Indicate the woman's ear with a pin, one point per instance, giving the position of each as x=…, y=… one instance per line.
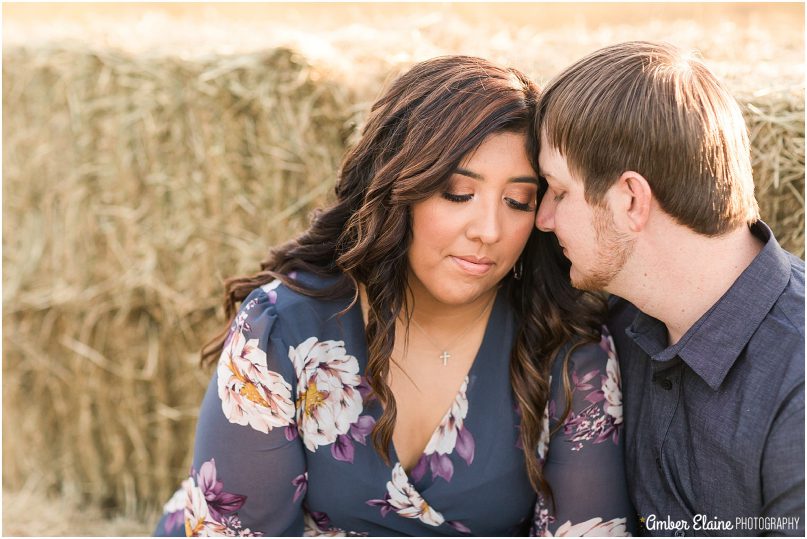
x=630, y=199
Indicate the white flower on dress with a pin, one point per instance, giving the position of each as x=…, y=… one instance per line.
x=594, y=527
x=407, y=502
x=328, y=398
x=268, y=287
x=197, y=516
x=445, y=437
x=451, y=435
x=250, y=393
x=177, y=501
x=611, y=386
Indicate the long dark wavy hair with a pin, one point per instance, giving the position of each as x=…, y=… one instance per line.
x=416, y=135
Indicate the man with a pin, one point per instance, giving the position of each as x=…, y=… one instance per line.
x=651, y=197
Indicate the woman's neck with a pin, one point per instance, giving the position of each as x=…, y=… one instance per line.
x=439, y=317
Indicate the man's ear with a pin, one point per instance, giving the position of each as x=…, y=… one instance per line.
x=630, y=198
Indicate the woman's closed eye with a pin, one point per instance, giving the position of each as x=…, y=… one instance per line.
x=521, y=206
x=457, y=198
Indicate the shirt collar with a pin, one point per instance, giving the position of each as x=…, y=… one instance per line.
x=711, y=346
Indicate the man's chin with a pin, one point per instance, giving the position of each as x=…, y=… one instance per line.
x=587, y=283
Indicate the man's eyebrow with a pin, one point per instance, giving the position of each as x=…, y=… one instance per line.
x=518, y=179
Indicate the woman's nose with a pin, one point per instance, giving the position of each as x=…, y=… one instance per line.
x=486, y=225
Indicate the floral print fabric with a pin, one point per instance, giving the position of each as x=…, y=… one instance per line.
x=283, y=444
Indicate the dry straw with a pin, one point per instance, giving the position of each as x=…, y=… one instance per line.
x=132, y=186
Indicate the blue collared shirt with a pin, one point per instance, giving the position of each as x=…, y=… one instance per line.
x=714, y=424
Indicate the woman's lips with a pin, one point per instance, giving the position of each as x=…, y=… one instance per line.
x=472, y=265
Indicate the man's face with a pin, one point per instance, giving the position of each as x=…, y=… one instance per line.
x=586, y=233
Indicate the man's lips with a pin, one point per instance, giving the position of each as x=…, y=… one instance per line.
x=474, y=265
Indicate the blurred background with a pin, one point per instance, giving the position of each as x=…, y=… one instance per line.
x=152, y=150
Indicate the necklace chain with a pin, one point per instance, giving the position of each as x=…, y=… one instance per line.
x=446, y=355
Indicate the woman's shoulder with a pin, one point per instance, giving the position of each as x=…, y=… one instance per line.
x=287, y=306
x=282, y=298
x=595, y=383
x=587, y=355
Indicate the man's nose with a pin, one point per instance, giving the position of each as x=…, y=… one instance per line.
x=545, y=218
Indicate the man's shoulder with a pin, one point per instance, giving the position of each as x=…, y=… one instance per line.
x=780, y=336
x=784, y=323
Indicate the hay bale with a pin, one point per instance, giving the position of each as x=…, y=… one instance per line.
x=775, y=121
x=134, y=185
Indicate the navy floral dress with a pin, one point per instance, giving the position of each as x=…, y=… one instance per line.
x=283, y=446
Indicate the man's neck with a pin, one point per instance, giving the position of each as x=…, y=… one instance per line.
x=678, y=277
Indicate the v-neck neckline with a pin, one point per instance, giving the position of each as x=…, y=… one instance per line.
x=486, y=343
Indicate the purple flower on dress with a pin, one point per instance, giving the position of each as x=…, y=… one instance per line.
x=582, y=383
x=602, y=418
x=234, y=528
x=459, y=526
x=219, y=502
x=365, y=390
x=322, y=521
x=384, y=504
x=362, y=428
x=465, y=447
x=541, y=518
x=420, y=468
x=301, y=482
x=174, y=520
x=204, y=506
x=441, y=466
x=591, y=424
x=451, y=435
x=343, y=449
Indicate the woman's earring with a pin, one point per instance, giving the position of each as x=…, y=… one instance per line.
x=518, y=270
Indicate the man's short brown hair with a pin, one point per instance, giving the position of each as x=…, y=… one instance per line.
x=658, y=111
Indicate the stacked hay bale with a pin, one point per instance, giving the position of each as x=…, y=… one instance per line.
x=133, y=186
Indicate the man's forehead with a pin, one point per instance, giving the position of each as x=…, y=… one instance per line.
x=549, y=159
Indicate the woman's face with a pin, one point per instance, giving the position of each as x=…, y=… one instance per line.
x=466, y=239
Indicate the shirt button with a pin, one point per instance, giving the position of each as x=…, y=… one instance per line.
x=680, y=533
x=666, y=383
x=658, y=463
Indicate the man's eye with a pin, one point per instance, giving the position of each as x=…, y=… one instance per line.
x=558, y=197
x=457, y=198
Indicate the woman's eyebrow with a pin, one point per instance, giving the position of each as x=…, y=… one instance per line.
x=524, y=179
x=470, y=174
x=475, y=176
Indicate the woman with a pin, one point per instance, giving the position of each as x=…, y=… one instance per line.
x=388, y=372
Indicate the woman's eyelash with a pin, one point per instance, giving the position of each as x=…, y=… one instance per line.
x=522, y=206
x=457, y=198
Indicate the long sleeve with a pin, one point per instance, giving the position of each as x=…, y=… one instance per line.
x=248, y=475
x=783, y=466
x=584, y=463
